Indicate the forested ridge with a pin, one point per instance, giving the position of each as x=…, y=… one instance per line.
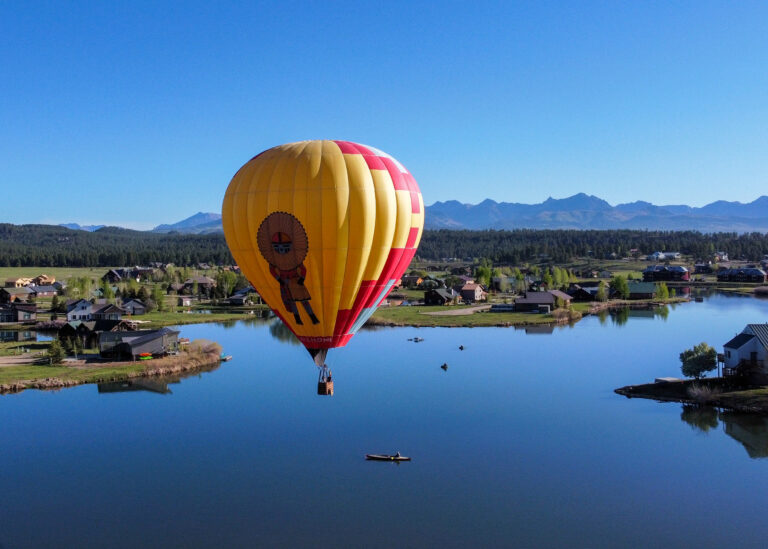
x=50, y=245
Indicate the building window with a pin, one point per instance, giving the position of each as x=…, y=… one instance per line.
x=728, y=354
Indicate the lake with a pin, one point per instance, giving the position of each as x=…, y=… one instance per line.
x=521, y=442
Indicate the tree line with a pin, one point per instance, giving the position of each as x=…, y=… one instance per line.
x=53, y=246
x=561, y=246
x=49, y=245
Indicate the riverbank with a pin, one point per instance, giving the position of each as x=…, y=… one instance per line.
x=16, y=378
x=438, y=316
x=719, y=392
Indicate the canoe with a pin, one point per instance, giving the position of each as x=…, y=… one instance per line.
x=225, y=358
x=383, y=457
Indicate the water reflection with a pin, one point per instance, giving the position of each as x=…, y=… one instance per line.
x=621, y=316
x=700, y=418
x=281, y=332
x=154, y=384
x=17, y=335
x=750, y=430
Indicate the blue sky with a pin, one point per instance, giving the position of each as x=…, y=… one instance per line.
x=139, y=113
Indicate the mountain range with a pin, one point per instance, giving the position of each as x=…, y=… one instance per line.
x=580, y=211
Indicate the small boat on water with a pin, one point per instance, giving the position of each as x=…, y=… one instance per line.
x=225, y=358
x=385, y=457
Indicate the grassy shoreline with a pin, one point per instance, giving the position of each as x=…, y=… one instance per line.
x=720, y=392
x=17, y=378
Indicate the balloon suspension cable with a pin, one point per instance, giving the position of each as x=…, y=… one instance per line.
x=319, y=355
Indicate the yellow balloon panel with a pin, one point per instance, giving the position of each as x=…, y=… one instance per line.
x=323, y=230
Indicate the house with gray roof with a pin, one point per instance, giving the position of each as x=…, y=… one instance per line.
x=133, y=344
x=43, y=291
x=542, y=302
x=9, y=295
x=747, y=352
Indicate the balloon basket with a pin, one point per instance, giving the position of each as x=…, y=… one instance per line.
x=325, y=382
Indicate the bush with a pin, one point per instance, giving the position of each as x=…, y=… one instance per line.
x=702, y=393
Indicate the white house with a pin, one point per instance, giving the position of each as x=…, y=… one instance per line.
x=749, y=348
x=79, y=310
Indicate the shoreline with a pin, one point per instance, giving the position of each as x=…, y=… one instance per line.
x=420, y=316
x=720, y=393
x=186, y=363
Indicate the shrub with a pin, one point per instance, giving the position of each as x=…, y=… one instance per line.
x=702, y=393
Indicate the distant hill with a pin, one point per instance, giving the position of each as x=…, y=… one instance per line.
x=200, y=223
x=582, y=211
x=76, y=227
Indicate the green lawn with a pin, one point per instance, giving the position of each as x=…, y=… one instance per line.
x=412, y=316
x=13, y=348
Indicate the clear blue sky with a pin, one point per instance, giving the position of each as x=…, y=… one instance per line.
x=139, y=113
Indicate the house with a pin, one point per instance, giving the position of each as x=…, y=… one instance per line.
x=43, y=280
x=15, y=293
x=467, y=279
x=43, y=291
x=59, y=285
x=471, y=292
x=238, y=300
x=87, y=331
x=747, y=352
x=114, y=275
x=663, y=256
x=106, y=311
x=79, y=309
x=746, y=274
x=186, y=301
x=144, y=274
x=703, y=268
x=132, y=344
x=642, y=290
x=720, y=256
x=581, y=292
x=84, y=310
x=18, y=312
x=439, y=296
x=605, y=274
x=561, y=298
x=411, y=281
x=536, y=302
x=134, y=307
x=175, y=287
x=204, y=284
x=654, y=273
x=17, y=282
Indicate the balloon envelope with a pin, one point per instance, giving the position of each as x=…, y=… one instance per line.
x=323, y=230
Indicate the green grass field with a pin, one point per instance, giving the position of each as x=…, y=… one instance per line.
x=60, y=273
x=412, y=316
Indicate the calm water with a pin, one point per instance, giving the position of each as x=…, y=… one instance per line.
x=520, y=443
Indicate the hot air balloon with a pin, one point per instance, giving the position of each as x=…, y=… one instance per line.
x=323, y=229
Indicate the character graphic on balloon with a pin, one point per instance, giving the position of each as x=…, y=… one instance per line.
x=283, y=243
